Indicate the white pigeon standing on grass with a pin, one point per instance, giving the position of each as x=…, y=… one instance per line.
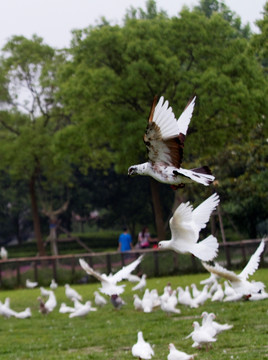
x=209, y=319
x=53, y=285
x=201, y=336
x=24, y=314
x=3, y=253
x=44, y=292
x=77, y=303
x=51, y=302
x=31, y=284
x=218, y=294
x=109, y=283
x=137, y=302
x=185, y=226
x=99, y=300
x=142, y=349
x=64, y=309
x=175, y=354
x=210, y=280
x=141, y=285
x=147, y=301
x=239, y=282
x=83, y=310
x=72, y=293
x=164, y=140
x=5, y=309
x=195, y=291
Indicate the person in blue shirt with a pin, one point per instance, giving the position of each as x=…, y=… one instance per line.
x=125, y=241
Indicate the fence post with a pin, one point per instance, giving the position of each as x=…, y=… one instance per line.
x=73, y=267
x=35, y=271
x=54, y=269
x=156, y=263
x=18, y=273
x=108, y=263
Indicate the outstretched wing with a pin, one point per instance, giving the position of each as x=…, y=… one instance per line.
x=185, y=118
x=126, y=270
x=180, y=223
x=163, y=137
x=202, y=213
x=91, y=271
x=222, y=272
x=254, y=261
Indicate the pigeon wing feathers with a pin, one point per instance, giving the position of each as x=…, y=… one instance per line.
x=206, y=249
x=165, y=119
x=126, y=270
x=201, y=213
x=91, y=271
x=168, y=151
x=253, y=263
x=185, y=118
x=180, y=218
x=222, y=272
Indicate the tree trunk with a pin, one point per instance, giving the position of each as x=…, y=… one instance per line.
x=159, y=222
x=36, y=220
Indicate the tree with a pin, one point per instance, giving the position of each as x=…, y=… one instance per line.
x=115, y=72
x=30, y=118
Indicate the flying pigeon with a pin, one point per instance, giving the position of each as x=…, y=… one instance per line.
x=109, y=283
x=185, y=226
x=142, y=349
x=31, y=284
x=175, y=354
x=239, y=282
x=72, y=293
x=164, y=140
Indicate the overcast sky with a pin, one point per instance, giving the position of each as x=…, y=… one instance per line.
x=53, y=20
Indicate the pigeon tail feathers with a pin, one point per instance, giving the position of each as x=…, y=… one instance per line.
x=206, y=249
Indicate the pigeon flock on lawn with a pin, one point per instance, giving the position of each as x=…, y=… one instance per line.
x=222, y=285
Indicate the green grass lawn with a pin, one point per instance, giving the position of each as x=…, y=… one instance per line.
x=110, y=334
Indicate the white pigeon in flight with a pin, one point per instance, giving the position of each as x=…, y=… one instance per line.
x=164, y=140
x=109, y=283
x=185, y=226
x=239, y=282
x=142, y=349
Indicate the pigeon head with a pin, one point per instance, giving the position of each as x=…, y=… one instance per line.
x=132, y=171
x=163, y=244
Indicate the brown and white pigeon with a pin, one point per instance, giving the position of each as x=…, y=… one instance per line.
x=164, y=139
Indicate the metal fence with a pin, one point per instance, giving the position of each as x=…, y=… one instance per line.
x=66, y=268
